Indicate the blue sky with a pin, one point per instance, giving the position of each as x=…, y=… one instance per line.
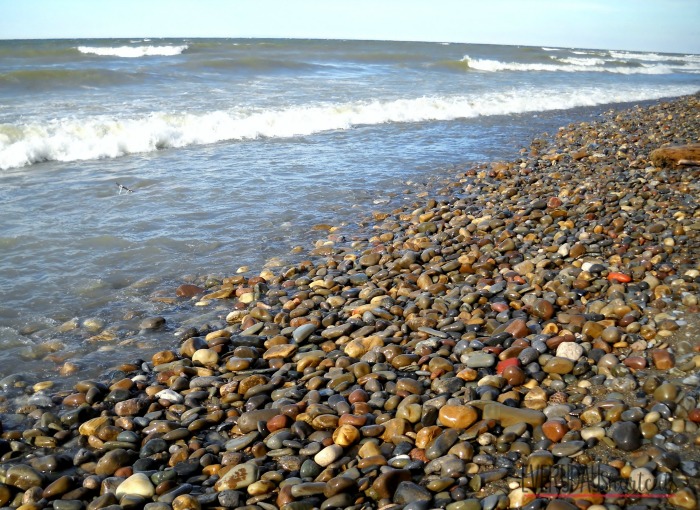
x=647, y=25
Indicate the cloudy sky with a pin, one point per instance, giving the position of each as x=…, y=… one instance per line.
x=647, y=25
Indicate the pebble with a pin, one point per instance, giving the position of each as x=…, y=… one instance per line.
x=328, y=455
x=626, y=435
x=238, y=477
x=458, y=417
x=569, y=350
x=137, y=484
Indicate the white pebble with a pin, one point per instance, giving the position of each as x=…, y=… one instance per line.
x=569, y=350
x=328, y=455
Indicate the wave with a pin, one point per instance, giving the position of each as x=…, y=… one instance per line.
x=132, y=51
x=577, y=61
x=72, y=139
x=495, y=66
x=655, y=57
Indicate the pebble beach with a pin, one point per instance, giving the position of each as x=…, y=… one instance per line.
x=527, y=319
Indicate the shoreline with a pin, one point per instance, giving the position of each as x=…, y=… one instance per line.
x=87, y=339
x=527, y=316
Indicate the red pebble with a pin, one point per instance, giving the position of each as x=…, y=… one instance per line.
x=553, y=202
x=502, y=365
x=278, y=422
x=499, y=307
x=694, y=415
x=619, y=277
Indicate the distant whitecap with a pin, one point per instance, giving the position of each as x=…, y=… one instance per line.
x=133, y=51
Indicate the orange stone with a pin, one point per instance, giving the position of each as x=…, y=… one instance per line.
x=663, y=360
x=554, y=429
x=162, y=357
x=74, y=400
x=278, y=422
x=502, y=365
x=619, y=277
x=427, y=435
x=457, y=417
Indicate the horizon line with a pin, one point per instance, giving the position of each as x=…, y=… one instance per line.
x=348, y=39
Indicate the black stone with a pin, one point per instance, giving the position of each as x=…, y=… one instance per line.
x=626, y=435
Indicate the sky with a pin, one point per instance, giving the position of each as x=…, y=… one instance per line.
x=643, y=25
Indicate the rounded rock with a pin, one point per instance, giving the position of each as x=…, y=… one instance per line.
x=457, y=417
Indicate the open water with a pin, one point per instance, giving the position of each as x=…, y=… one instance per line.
x=235, y=150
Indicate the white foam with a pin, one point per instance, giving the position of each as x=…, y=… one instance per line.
x=655, y=57
x=581, y=61
x=133, y=51
x=495, y=66
x=71, y=139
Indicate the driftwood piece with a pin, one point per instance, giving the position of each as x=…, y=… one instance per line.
x=674, y=156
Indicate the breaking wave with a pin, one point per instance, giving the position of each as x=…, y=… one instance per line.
x=72, y=139
x=574, y=65
x=133, y=51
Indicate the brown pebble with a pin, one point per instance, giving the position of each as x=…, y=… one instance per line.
x=518, y=328
x=554, y=429
x=662, y=359
x=515, y=376
x=635, y=362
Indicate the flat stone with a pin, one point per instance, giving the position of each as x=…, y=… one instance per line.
x=248, y=421
x=238, y=477
x=23, y=477
x=408, y=492
x=558, y=365
x=568, y=448
x=308, y=489
x=507, y=415
x=283, y=351
x=303, y=332
x=385, y=485
x=241, y=442
x=481, y=359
